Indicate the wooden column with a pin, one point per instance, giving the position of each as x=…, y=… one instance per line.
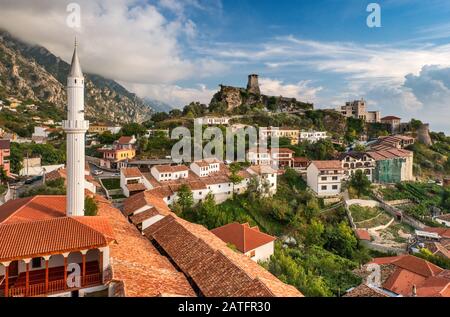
x=46, y=276
x=83, y=280
x=6, y=281
x=65, y=272
x=27, y=278
x=100, y=261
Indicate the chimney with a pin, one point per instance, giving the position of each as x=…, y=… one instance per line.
x=414, y=290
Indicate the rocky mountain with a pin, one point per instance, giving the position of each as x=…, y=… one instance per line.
x=159, y=106
x=234, y=97
x=33, y=72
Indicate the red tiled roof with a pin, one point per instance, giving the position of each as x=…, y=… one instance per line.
x=144, y=215
x=124, y=139
x=390, y=118
x=443, y=232
x=412, y=271
x=363, y=234
x=147, y=198
x=136, y=187
x=389, y=154
x=46, y=237
x=131, y=172
x=213, y=267
x=242, y=236
x=171, y=169
x=328, y=165
x=137, y=264
x=33, y=208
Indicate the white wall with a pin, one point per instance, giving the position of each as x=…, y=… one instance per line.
x=262, y=253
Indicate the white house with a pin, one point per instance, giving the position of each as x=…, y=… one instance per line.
x=325, y=177
x=41, y=131
x=205, y=167
x=214, y=120
x=312, y=136
x=354, y=161
x=169, y=173
x=275, y=157
x=267, y=178
x=132, y=181
x=249, y=240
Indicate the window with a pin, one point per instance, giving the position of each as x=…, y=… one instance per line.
x=324, y=187
x=36, y=263
x=335, y=178
x=335, y=187
x=324, y=178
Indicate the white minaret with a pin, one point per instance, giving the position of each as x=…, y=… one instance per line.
x=75, y=127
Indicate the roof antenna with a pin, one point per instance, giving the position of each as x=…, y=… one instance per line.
x=76, y=42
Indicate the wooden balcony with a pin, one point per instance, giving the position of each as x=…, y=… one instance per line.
x=40, y=285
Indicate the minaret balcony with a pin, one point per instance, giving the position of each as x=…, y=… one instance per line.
x=75, y=125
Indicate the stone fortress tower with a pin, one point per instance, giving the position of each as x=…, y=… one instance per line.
x=423, y=134
x=75, y=127
x=253, y=84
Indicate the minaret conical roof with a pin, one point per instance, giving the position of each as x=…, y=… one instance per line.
x=75, y=69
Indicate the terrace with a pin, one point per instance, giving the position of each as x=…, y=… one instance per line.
x=20, y=279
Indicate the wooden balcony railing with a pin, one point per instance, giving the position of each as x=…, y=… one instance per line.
x=53, y=287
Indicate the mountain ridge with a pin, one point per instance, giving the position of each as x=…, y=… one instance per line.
x=33, y=72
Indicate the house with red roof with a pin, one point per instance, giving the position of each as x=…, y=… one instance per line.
x=325, y=177
x=249, y=240
x=45, y=247
x=410, y=276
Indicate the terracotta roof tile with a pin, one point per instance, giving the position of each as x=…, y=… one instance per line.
x=328, y=165
x=196, y=250
x=135, y=262
x=131, y=172
x=243, y=237
x=33, y=208
x=46, y=237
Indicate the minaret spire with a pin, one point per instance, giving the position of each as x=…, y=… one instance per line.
x=75, y=127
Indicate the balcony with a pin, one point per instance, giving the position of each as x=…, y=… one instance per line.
x=38, y=284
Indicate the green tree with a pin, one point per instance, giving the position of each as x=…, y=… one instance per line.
x=133, y=128
x=3, y=176
x=313, y=233
x=341, y=240
x=185, y=197
x=90, y=206
x=360, y=183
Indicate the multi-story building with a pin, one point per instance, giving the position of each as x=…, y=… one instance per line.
x=357, y=109
x=325, y=177
x=164, y=173
x=275, y=157
x=312, y=136
x=5, y=153
x=292, y=134
x=392, y=165
x=354, y=161
x=121, y=151
x=205, y=167
x=393, y=141
x=393, y=122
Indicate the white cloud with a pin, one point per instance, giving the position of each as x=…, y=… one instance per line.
x=173, y=94
x=301, y=90
x=126, y=40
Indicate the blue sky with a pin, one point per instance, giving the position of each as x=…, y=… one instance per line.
x=319, y=51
